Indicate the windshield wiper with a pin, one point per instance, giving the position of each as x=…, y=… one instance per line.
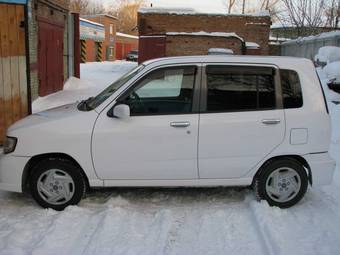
x=84, y=105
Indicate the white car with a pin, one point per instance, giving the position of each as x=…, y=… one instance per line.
x=183, y=121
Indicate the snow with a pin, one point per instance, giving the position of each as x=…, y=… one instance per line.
x=91, y=22
x=224, y=51
x=191, y=11
x=95, y=77
x=328, y=54
x=335, y=33
x=167, y=10
x=203, y=33
x=252, y=45
x=274, y=38
x=126, y=35
x=171, y=221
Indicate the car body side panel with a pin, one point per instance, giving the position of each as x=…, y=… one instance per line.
x=61, y=130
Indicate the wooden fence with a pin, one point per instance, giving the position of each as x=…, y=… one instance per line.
x=13, y=75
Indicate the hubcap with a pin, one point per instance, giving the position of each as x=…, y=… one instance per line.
x=283, y=184
x=55, y=186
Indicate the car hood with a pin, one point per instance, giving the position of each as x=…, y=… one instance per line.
x=54, y=114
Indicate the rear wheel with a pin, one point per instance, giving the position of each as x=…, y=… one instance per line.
x=282, y=183
x=57, y=183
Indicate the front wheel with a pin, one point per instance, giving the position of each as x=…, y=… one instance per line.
x=282, y=183
x=57, y=183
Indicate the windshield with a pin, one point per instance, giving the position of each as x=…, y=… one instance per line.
x=106, y=93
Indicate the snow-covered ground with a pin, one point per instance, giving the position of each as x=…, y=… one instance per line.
x=171, y=221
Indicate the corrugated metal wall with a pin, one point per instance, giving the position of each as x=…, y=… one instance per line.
x=308, y=47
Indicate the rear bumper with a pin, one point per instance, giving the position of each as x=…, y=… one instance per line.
x=322, y=168
x=11, y=170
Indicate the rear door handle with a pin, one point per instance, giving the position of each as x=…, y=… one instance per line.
x=271, y=121
x=180, y=124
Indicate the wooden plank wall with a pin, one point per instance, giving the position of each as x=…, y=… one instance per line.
x=13, y=76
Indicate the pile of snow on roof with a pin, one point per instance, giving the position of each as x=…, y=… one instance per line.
x=191, y=11
x=203, y=33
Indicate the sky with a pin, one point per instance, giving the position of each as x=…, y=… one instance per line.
x=210, y=6
x=199, y=5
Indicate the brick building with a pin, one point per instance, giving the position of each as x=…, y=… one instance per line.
x=100, y=40
x=92, y=36
x=36, y=54
x=124, y=44
x=173, y=32
x=109, y=23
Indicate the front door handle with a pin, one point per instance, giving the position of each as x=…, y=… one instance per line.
x=271, y=121
x=180, y=124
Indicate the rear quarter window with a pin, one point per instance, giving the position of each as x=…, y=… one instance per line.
x=291, y=89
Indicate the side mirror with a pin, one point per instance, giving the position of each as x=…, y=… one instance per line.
x=121, y=111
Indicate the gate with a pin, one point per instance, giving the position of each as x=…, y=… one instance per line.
x=50, y=58
x=13, y=69
x=151, y=47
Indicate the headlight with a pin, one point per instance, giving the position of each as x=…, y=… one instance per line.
x=10, y=143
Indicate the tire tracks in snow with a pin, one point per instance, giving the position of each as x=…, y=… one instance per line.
x=268, y=244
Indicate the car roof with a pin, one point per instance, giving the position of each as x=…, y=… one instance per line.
x=275, y=60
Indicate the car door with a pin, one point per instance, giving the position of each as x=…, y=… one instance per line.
x=241, y=118
x=159, y=140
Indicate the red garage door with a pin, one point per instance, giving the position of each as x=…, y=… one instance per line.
x=119, y=51
x=50, y=58
x=151, y=47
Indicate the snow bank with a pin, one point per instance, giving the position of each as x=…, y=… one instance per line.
x=328, y=54
x=95, y=76
x=332, y=70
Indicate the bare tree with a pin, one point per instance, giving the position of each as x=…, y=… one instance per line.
x=79, y=6
x=95, y=8
x=303, y=13
x=126, y=12
x=230, y=4
x=243, y=6
x=332, y=13
x=86, y=7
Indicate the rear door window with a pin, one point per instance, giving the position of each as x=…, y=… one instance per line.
x=240, y=88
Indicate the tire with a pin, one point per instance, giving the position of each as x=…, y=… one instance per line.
x=56, y=184
x=282, y=183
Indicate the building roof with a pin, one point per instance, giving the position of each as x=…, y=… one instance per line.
x=98, y=15
x=91, y=22
x=191, y=11
x=335, y=33
x=91, y=30
x=126, y=35
x=203, y=33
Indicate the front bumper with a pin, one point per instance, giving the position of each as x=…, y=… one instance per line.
x=11, y=170
x=322, y=168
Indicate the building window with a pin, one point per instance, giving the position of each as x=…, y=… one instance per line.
x=111, y=29
x=111, y=51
